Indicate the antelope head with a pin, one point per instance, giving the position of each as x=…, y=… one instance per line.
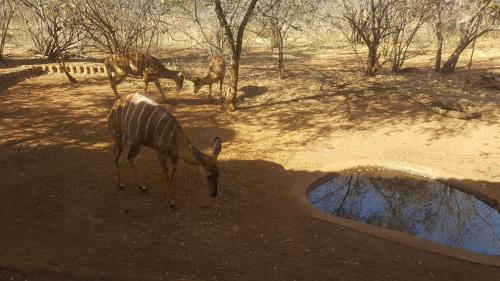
x=179, y=80
x=209, y=168
x=196, y=84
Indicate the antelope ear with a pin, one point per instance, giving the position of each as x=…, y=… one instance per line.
x=216, y=147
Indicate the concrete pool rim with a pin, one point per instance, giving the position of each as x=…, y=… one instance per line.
x=300, y=190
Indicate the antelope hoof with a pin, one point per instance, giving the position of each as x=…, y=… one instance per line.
x=143, y=188
x=121, y=186
x=171, y=205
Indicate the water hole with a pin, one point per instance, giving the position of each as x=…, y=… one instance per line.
x=425, y=208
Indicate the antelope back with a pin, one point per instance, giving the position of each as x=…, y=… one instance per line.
x=216, y=72
x=141, y=121
x=217, y=68
x=137, y=63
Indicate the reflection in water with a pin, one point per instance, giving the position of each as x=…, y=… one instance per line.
x=424, y=208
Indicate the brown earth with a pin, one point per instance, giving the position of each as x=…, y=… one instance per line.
x=63, y=218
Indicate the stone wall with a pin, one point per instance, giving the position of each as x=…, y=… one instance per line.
x=8, y=79
x=75, y=69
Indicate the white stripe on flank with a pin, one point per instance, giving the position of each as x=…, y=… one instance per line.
x=124, y=118
x=121, y=105
x=157, y=125
x=163, y=131
x=171, y=135
x=147, y=123
x=139, y=120
x=130, y=120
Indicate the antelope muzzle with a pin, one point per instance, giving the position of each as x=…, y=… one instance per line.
x=212, y=185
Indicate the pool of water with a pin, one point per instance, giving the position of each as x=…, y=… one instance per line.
x=422, y=207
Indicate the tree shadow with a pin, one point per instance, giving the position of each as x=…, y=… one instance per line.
x=42, y=110
x=251, y=91
x=323, y=96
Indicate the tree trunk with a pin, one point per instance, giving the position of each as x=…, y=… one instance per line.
x=231, y=95
x=235, y=45
x=396, y=52
x=437, y=65
x=3, y=35
x=439, y=35
x=371, y=63
x=472, y=55
x=70, y=78
x=281, y=70
x=451, y=63
x=51, y=51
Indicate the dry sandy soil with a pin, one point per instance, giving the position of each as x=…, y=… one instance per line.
x=62, y=216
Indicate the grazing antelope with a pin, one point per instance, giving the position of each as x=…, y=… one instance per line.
x=216, y=72
x=139, y=65
x=142, y=122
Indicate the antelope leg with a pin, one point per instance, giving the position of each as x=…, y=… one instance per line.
x=119, y=76
x=132, y=156
x=158, y=85
x=171, y=188
x=115, y=91
x=117, y=151
x=164, y=169
x=146, y=82
x=221, y=93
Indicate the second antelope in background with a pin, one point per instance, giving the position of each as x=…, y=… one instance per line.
x=142, y=122
x=216, y=72
x=139, y=65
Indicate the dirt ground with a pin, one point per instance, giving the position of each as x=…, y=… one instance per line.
x=62, y=216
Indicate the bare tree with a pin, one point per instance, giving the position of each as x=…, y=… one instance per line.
x=409, y=17
x=439, y=34
x=51, y=25
x=278, y=17
x=117, y=26
x=234, y=38
x=478, y=17
x=378, y=18
x=199, y=25
x=6, y=14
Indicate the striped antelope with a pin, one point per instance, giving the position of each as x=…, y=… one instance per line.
x=216, y=72
x=142, y=122
x=139, y=65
